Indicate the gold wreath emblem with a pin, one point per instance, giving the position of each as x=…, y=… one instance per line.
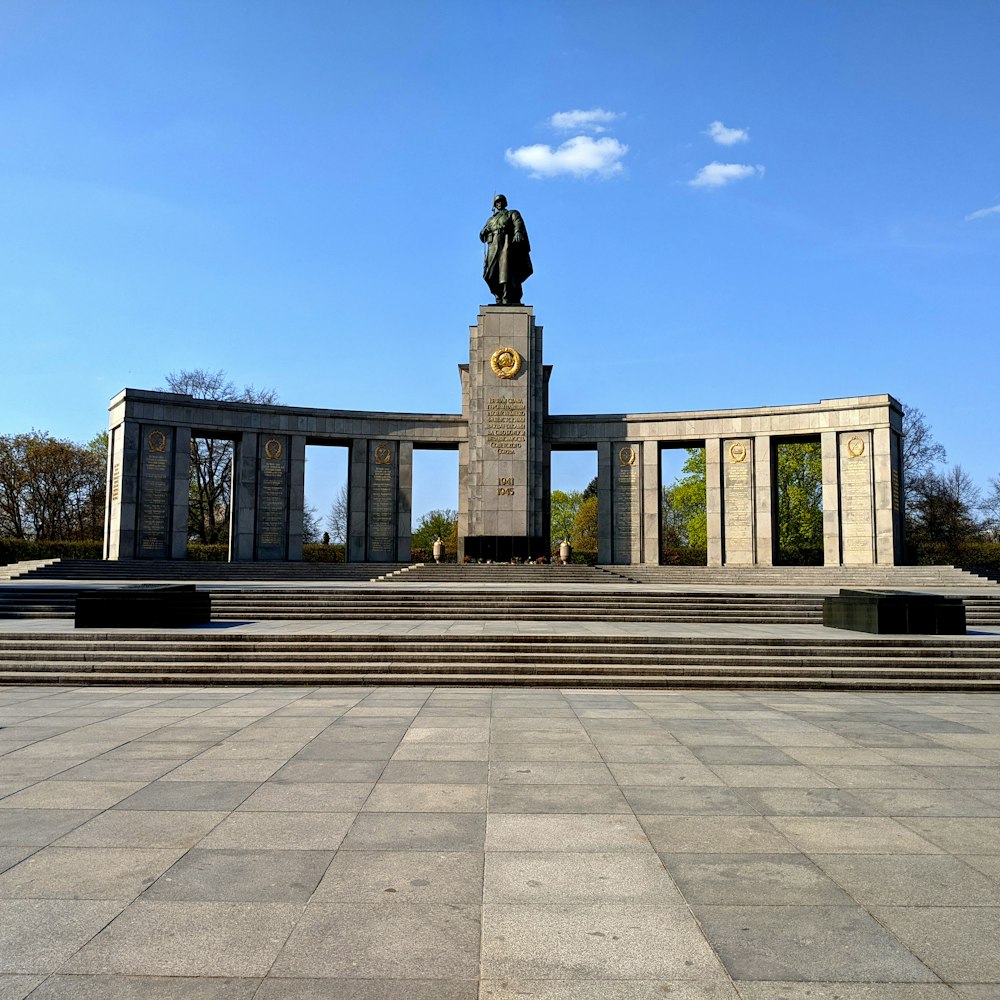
x=738, y=451
x=506, y=362
x=272, y=449
x=627, y=455
x=856, y=446
x=383, y=455
x=157, y=441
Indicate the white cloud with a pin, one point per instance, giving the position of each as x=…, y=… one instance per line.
x=727, y=136
x=580, y=156
x=719, y=174
x=583, y=121
x=982, y=213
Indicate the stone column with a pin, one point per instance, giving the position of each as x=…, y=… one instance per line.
x=831, y=498
x=389, y=499
x=404, y=502
x=765, y=504
x=296, y=496
x=738, y=502
x=357, y=499
x=857, y=499
x=274, y=486
x=155, y=508
x=182, y=492
x=886, y=456
x=650, y=497
x=123, y=491
x=505, y=489
x=605, y=503
x=243, y=508
x=713, y=500
x=626, y=502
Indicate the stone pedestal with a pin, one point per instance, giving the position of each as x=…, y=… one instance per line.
x=503, y=510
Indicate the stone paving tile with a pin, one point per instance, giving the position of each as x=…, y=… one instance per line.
x=807, y=944
x=81, y=987
x=748, y=879
x=661, y=775
x=522, y=772
x=535, y=877
x=86, y=873
x=443, y=751
x=693, y=800
x=141, y=828
x=965, y=777
x=347, y=750
x=199, y=769
x=10, y=856
x=140, y=771
x=242, y=876
x=594, y=832
x=189, y=795
x=923, y=802
x=852, y=835
x=189, y=939
x=396, y=941
x=988, y=864
x=844, y=991
x=17, y=987
x=39, y=827
x=594, y=942
x=721, y=834
x=439, y=771
x=58, y=794
x=367, y=989
x=891, y=776
x=38, y=935
x=416, y=832
x=328, y=771
x=604, y=989
x=805, y=802
x=426, y=797
x=961, y=944
x=308, y=796
x=301, y=831
x=770, y=776
x=403, y=877
x=557, y=799
x=958, y=835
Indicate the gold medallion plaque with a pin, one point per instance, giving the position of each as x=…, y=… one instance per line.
x=627, y=455
x=157, y=441
x=505, y=362
x=738, y=451
x=856, y=446
x=273, y=449
x=383, y=455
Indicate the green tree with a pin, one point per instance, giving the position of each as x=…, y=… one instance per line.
x=564, y=507
x=210, y=494
x=684, y=518
x=434, y=523
x=585, y=526
x=799, y=481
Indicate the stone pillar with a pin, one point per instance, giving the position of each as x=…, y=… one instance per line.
x=605, y=503
x=182, y=492
x=357, y=499
x=404, y=502
x=886, y=464
x=155, y=508
x=296, y=496
x=713, y=500
x=831, y=498
x=738, y=504
x=243, y=508
x=123, y=491
x=857, y=499
x=504, y=394
x=626, y=502
x=765, y=504
x=650, y=497
x=274, y=485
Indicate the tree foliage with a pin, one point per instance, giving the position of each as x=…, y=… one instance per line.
x=210, y=494
x=799, y=481
x=52, y=489
x=441, y=523
x=585, y=526
x=683, y=507
x=564, y=507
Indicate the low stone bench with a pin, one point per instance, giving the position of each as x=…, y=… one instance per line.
x=896, y=612
x=143, y=606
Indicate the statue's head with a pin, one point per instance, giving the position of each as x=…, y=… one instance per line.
x=499, y=201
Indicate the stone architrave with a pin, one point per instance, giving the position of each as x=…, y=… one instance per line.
x=156, y=492
x=505, y=509
x=626, y=502
x=857, y=508
x=738, y=504
x=273, y=484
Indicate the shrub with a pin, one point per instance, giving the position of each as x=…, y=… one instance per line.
x=14, y=550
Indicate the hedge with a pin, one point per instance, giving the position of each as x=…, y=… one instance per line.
x=14, y=550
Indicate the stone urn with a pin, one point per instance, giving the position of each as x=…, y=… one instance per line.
x=438, y=549
x=565, y=552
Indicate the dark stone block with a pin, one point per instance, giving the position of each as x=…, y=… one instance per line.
x=143, y=606
x=503, y=548
x=896, y=612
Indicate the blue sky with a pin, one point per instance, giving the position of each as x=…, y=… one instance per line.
x=754, y=203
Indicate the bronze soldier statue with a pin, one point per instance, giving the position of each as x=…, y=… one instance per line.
x=507, y=260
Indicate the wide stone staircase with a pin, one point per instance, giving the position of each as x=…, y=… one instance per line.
x=500, y=659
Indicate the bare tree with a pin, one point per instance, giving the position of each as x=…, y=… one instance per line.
x=212, y=458
x=336, y=520
x=921, y=453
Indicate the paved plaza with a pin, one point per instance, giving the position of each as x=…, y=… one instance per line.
x=460, y=843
